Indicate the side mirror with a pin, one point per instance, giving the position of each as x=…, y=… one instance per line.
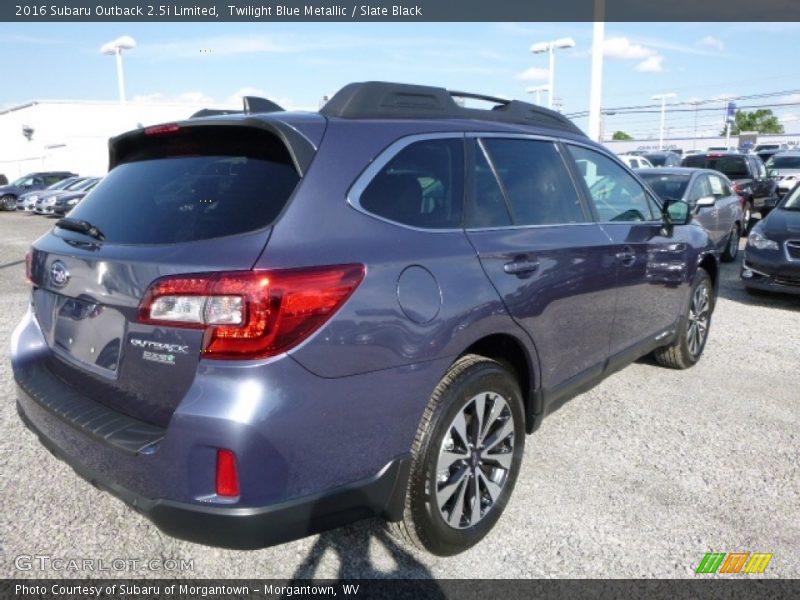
x=677, y=212
x=705, y=201
x=772, y=172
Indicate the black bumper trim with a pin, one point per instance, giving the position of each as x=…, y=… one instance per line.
x=92, y=418
x=382, y=495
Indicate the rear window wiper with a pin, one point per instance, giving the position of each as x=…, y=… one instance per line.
x=80, y=226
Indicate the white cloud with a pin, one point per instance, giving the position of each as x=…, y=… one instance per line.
x=653, y=64
x=533, y=74
x=622, y=47
x=711, y=42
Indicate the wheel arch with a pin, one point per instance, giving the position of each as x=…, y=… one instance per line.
x=512, y=352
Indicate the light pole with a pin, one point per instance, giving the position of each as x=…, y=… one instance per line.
x=538, y=89
x=550, y=48
x=116, y=47
x=663, y=98
x=596, y=86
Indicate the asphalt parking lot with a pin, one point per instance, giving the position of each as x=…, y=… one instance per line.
x=639, y=477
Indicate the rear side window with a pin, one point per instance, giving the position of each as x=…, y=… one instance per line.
x=535, y=180
x=421, y=186
x=200, y=184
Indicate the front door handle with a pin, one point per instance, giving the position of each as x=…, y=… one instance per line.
x=521, y=266
x=626, y=256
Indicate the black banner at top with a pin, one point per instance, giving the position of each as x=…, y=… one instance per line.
x=399, y=10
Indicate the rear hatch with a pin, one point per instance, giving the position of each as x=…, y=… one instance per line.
x=179, y=199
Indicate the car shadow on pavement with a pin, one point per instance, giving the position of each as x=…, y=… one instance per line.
x=351, y=544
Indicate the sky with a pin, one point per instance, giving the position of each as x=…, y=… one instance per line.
x=295, y=64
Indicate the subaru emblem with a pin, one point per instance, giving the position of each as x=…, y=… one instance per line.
x=59, y=273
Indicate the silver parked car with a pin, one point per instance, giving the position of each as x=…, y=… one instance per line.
x=710, y=194
x=785, y=167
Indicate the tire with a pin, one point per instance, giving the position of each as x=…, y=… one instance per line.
x=731, y=246
x=446, y=471
x=8, y=202
x=687, y=348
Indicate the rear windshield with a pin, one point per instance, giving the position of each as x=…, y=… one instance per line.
x=203, y=183
x=784, y=162
x=668, y=187
x=735, y=167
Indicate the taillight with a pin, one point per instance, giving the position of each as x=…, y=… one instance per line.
x=251, y=314
x=29, y=266
x=227, y=483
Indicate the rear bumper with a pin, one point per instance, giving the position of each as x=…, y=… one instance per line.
x=313, y=453
x=251, y=528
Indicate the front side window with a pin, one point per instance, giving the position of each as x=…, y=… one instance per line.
x=616, y=195
x=534, y=180
x=421, y=186
x=701, y=188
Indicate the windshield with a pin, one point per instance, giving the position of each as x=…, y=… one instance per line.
x=784, y=162
x=82, y=185
x=792, y=201
x=63, y=184
x=22, y=181
x=668, y=187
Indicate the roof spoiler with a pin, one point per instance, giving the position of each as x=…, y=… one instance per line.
x=251, y=105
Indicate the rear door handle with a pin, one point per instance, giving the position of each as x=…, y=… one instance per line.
x=521, y=266
x=626, y=256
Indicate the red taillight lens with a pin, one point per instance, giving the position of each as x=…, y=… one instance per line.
x=162, y=129
x=227, y=474
x=29, y=266
x=251, y=314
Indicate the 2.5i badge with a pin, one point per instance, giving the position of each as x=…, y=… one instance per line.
x=159, y=352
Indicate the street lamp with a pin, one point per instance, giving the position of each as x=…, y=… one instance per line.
x=538, y=89
x=116, y=47
x=550, y=48
x=663, y=98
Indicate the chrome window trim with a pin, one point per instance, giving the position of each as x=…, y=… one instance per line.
x=380, y=161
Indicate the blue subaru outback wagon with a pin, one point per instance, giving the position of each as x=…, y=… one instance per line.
x=265, y=324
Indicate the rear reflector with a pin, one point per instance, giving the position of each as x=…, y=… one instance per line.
x=251, y=314
x=227, y=474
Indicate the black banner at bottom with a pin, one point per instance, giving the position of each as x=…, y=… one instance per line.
x=367, y=589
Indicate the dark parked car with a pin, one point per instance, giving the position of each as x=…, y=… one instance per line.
x=663, y=159
x=30, y=182
x=772, y=255
x=66, y=202
x=260, y=326
x=27, y=201
x=46, y=202
x=709, y=193
x=749, y=177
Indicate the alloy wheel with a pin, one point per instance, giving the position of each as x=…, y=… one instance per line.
x=474, y=460
x=699, y=316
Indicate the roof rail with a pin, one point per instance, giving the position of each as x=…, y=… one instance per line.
x=252, y=104
x=381, y=99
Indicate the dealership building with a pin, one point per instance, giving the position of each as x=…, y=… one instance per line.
x=58, y=135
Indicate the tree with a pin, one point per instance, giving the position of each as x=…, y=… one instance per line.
x=761, y=120
x=621, y=135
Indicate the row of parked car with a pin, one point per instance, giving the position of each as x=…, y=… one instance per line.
x=724, y=189
x=52, y=193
